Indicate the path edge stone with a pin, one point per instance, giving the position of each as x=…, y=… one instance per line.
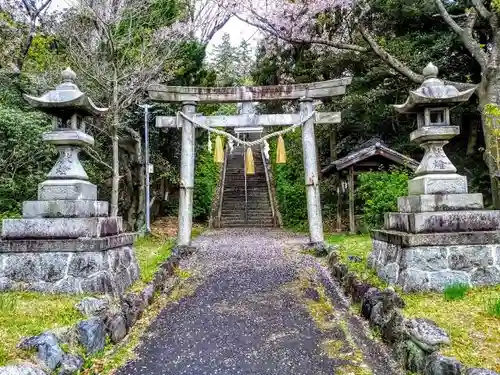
x=113, y=319
x=415, y=343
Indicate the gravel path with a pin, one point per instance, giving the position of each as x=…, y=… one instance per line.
x=259, y=306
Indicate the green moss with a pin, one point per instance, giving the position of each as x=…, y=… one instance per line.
x=475, y=335
x=151, y=252
x=356, y=246
x=27, y=314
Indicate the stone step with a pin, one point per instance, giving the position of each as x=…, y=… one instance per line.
x=442, y=222
x=253, y=213
x=236, y=224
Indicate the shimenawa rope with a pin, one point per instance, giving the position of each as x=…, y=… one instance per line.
x=246, y=143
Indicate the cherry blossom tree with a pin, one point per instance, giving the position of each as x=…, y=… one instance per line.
x=346, y=25
x=120, y=47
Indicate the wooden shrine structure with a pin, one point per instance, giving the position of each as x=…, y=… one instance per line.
x=370, y=156
x=188, y=120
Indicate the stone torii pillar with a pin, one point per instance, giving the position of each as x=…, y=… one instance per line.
x=190, y=96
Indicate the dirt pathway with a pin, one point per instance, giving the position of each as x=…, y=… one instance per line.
x=258, y=306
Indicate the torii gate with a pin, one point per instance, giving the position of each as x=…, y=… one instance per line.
x=189, y=97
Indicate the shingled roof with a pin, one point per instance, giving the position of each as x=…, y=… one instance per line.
x=369, y=149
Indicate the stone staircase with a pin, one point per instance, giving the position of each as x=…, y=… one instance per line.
x=259, y=212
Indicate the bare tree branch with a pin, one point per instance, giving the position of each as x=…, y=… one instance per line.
x=388, y=58
x=270, y=29
x=481, y=9
x=465, y=35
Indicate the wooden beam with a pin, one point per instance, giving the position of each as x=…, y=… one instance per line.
x=315, y=90
x=249, y=120
x=352, y=220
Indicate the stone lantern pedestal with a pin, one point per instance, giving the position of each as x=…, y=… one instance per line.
x=441, y=235
x=66, y=242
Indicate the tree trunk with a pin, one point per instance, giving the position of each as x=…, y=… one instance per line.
x=489, y=93
x=472, y=141
x=115, y=182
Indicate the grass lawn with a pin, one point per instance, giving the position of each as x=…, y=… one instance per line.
x=474, y=329
x=27, y=314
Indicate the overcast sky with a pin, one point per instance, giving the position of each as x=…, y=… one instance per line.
x=238, y=30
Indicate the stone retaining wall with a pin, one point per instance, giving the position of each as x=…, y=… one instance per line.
x=415, y=342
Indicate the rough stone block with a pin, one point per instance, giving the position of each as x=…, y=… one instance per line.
x=91, y=335
x=438, y=184
x=64, y=208
x=466, y=258
x=425, y=258
x=426, y=334
x=101, y=282
x=61, y=227
x=25, y=268
x=414, y=280
x=68, y=285
x=48, y=350
x=439, y=222
x=71, y=273
x=440, y=202
x=480, y=371
x=441, y=279
x=26, y=369
x=437, y=364
x=116, y=327
x=70, y=365
x=389, y=272
x=86, y=264
x=485, y=276
x=91, y=306
x=67, y=190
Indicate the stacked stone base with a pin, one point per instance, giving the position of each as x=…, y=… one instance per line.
x=438, y=240
x=84, y=265
x=420, y=262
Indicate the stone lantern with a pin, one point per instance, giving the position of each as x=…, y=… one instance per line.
x=441, y=235
x=66, y=242
x=431, y=102
x=67, y=191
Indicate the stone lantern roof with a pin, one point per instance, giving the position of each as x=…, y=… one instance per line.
x=432, y=92
x=66, y=97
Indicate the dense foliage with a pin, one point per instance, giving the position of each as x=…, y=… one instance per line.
x=378, y=192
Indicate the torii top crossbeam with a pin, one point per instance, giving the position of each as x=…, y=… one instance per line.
x=315, y=90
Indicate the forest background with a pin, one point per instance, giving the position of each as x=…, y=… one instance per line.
x=118, y=48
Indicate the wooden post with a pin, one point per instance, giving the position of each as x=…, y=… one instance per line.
x=339, y=203
x=352, y=223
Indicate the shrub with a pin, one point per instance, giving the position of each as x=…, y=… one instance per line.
x=379, y=192
x=289, y=181
x=455, y=291
x=494, y=308
x=205, y=180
